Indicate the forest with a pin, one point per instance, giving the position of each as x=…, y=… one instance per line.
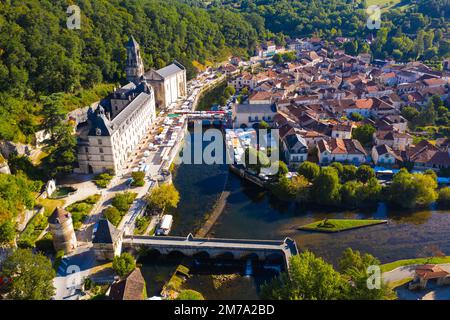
x=40, y=56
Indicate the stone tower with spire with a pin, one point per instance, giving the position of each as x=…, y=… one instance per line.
x=134, y=66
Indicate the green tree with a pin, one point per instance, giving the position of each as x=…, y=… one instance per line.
x=31, y=275
x=412, y=190
x=123, y=201
x=282, y=169
x=138, y=178
x=164, y=197
x=364, y=173
x=350, y=194
x=338, y=166
x=354, y=267
x=444, y=197
x=309, y=170
x=348, y=172
x=277, y=58
x=326, y=187
x=310, y=278
x=190, y=295
x=113, y=215
x=124, y=264
x=364, y=134
x=7, y=232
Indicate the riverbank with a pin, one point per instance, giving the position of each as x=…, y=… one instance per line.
x=339, y=225
x=412, y=262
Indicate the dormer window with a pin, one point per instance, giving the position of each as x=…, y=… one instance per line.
x=98, y=132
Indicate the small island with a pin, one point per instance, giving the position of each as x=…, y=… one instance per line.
x=338, y=225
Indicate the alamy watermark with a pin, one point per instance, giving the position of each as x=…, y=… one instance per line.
x=74, y=20
x=374, y=19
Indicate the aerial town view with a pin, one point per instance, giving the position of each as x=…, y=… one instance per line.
x=224, y=150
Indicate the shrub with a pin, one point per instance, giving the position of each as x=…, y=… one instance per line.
x=124, y=264
x=444, y=197
x=113, y=215
x=190, y=295
x=138, y=178
x=123, y=201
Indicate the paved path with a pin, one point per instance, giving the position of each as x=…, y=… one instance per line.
x=406, y=272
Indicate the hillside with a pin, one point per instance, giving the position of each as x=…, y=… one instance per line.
x=40, y=56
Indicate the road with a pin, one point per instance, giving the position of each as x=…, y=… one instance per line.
x=83, y=257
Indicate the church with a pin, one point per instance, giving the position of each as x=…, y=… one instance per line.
x=114, y=128
x=169, y=82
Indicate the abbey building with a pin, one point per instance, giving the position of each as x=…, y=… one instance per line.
x=114, y=128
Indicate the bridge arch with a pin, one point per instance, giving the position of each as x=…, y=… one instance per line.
x=274, y=257
x=251, y=256
x=225, y=255
x=174, y=254
x=201, y=255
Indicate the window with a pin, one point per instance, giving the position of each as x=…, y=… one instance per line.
x=100, y=150
x=102, y=158
x=86, y=149
x=100, y=141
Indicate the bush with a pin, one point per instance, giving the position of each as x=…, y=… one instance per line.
x=124, y=264
x=190, y=295
x=7, y=232
x=309, y=170
x=103, y=179
x=113, y=215
x=123, y=201
x=444, y=197
x=138, y=178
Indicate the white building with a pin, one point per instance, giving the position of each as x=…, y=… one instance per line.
x=341, y=150
x=108, y=139
x=250, y=115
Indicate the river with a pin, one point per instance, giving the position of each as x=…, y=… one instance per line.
x=255, y=214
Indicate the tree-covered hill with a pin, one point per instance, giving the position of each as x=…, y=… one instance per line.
x=39, y=55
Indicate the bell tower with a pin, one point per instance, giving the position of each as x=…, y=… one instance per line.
x=134, y=66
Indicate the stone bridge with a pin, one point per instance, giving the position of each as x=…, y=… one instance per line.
x=215, y=247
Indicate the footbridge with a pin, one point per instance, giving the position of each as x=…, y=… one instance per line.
x=215, y=247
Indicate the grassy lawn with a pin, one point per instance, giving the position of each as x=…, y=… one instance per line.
x=81, y=209
x=400, y=263
x=337, y=225
x=399, y=283
x=50, y=204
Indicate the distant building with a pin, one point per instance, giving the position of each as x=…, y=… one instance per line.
x=169, y=83
x=107, y=140
x=107, y=241
x=341, y=150
x=295, y=148
x=61, y=228
x=250, y=115
x=384, y=155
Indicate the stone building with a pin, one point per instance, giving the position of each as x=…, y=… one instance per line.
x=61, y=228
x=114, y=129
x=135, y=65
x=107, y=242
x=169, y=83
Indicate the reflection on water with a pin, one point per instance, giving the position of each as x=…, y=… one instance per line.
x=252, y=213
